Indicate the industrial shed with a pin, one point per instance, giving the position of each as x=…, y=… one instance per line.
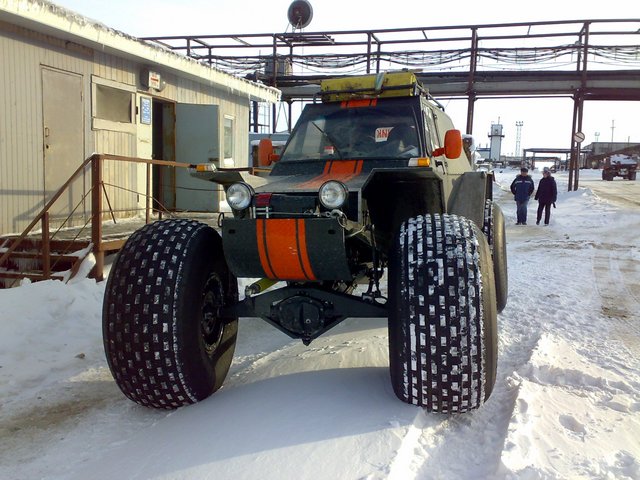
x=70, y=87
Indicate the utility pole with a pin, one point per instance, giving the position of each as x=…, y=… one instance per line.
x=613, y=127
x=519, y=125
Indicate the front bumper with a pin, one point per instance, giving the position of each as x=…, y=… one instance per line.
x=295, y=249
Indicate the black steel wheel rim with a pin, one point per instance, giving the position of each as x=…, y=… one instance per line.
x=211, y=323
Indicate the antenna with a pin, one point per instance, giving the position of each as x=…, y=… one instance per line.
x=300, y=14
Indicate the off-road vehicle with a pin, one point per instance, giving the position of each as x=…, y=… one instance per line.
x=372, y=190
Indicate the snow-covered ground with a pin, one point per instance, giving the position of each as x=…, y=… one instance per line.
x=566, y=403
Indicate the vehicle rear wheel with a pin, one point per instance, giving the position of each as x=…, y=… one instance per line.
x=494, y=230
x=166, y=343
x=442, y=314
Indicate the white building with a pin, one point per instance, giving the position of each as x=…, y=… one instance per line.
x=70, y=87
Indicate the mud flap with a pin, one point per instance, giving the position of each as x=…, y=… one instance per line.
x=298, y=249
x=468, y=196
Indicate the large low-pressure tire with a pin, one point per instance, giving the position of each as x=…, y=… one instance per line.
x=494, y=230
x=165, y=341
x=442, y=314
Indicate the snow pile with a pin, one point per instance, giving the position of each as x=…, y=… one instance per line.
x=566, y=402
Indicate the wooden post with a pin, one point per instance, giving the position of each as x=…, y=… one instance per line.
x=96, y=215
x=147, y=214
x=46, y=248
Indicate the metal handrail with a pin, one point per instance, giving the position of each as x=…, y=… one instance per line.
x=96, y=160
x=16, y=242
x=96, y=200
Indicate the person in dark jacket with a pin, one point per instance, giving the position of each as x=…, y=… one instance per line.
x=547, y=194
x=522, y=187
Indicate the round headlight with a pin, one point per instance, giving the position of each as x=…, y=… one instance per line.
x=333, y=194
x=239, y=196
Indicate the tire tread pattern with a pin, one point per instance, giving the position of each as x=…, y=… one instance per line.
x=139, y=315
x=439, y=315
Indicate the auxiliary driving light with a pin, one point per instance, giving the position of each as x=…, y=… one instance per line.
x=333, y=194
x=239, y=196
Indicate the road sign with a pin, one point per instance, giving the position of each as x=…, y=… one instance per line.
x=578, y=137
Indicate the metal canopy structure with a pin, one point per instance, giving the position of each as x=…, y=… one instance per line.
x=581, y=59
x=548, y=154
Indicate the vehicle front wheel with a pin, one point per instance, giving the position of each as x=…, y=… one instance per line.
x=442, y=314
x=166, y=342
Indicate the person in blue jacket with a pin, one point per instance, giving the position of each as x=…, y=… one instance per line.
x=547, y=194
x=522, y=187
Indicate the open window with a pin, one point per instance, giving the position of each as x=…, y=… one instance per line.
x=113, y=105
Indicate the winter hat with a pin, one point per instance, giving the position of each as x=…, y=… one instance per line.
x=524, y=170
x=546, y=170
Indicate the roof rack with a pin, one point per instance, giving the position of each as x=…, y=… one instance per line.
x=381, y=85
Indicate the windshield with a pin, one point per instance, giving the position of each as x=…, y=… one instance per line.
x=327, y=131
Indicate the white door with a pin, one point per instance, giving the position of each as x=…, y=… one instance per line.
x=197, y=141
x=63, y=125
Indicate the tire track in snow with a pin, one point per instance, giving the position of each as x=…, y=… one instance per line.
x=624, y=194
x=453, y=447
x=412, y=455
x=617, y=285
x=437, y=446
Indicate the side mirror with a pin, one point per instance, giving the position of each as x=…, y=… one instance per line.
x=452, y=145
x=265, y=153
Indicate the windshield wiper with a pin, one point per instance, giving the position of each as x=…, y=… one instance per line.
x=331, y=140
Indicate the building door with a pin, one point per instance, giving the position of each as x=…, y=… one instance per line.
x=63, y=125
x=197, y=141
x=164, y=148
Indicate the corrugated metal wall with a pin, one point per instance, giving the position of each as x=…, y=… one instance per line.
x=22, y=55
x=21, y=123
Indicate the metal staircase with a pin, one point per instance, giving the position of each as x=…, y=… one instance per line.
x=36, y=260
x=40, y=255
